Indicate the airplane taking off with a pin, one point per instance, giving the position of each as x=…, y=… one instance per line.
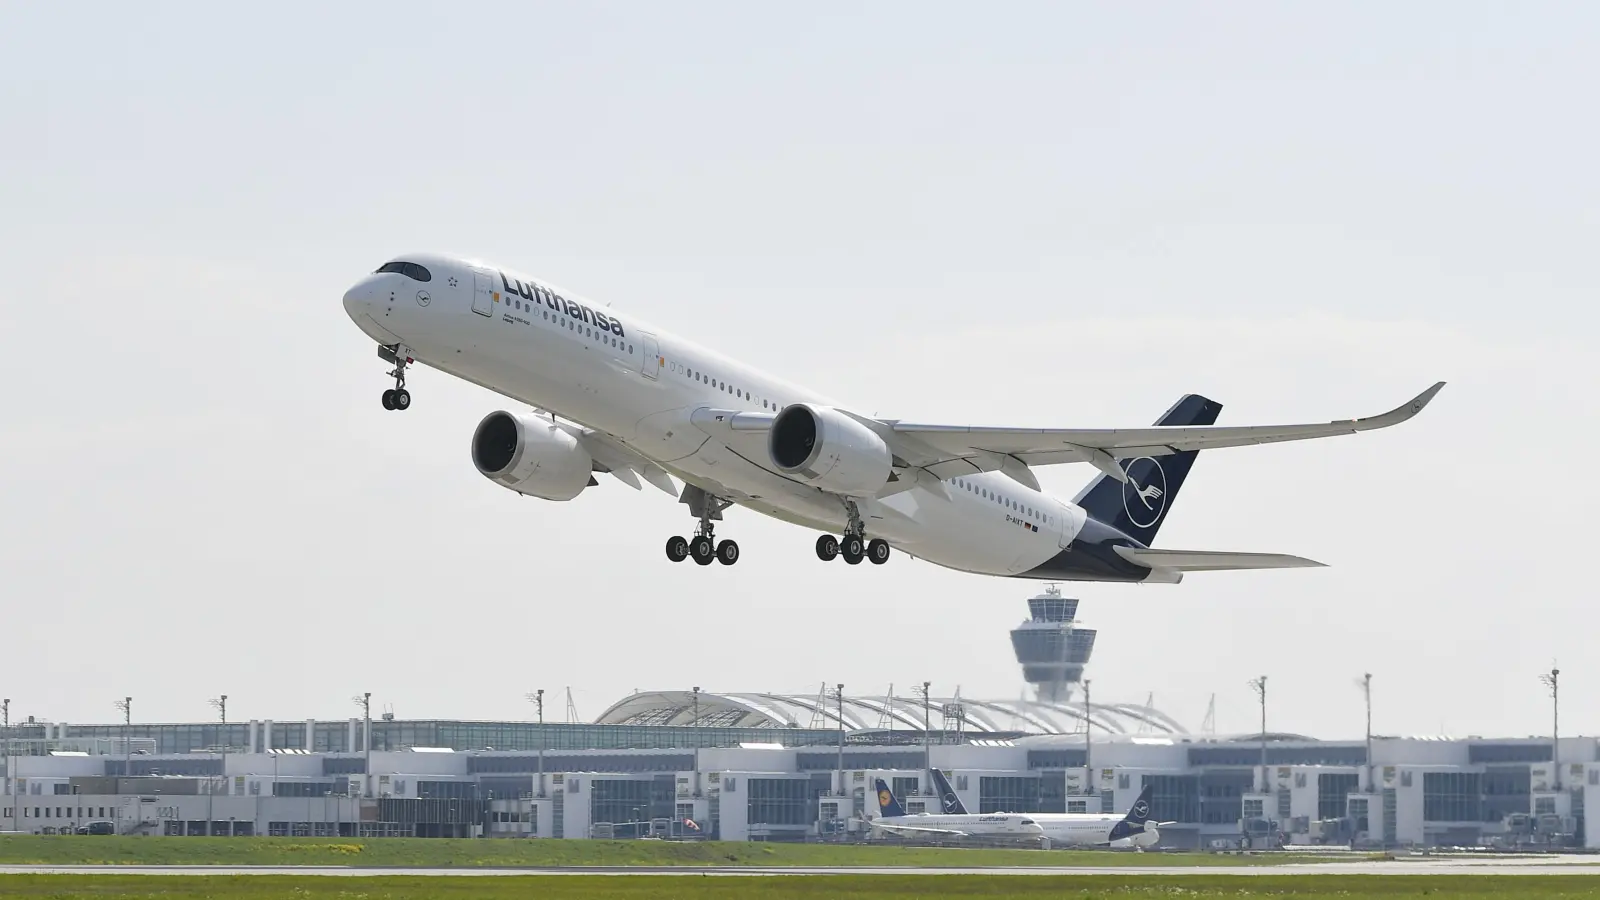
x=614, y=394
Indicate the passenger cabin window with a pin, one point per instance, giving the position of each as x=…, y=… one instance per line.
x=409, y=269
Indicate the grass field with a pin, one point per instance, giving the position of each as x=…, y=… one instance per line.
x=879, y=887
x=27, y=849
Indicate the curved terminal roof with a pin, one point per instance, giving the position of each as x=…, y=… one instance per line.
x=881, y=713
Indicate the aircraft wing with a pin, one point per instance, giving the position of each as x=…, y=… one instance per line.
x=625, y=464
x=1210, y=560
x=951, y=450
x=914, y=829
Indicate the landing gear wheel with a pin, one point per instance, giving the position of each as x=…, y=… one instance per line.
x=397, y=397
x=727, y=553
x=878, y=551
x=851, y=549
x=827, y=547
x=677, y=549
x=702, y=551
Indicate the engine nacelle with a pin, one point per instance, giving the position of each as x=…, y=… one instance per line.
x=531, y=456
x=829, y=450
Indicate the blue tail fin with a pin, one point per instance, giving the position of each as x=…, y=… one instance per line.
x=888, y=806
x=948, y=801
x=1137, y=509
x=1138, y=815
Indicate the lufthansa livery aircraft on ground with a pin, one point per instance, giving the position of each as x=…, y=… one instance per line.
x=1133, y=830
x=893, y=818
x=614, y=394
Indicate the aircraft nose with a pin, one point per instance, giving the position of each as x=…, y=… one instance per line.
x=357, y=300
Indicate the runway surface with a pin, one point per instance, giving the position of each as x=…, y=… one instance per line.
x=1436, y=865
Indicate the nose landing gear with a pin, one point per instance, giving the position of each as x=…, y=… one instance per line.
x=397, y=397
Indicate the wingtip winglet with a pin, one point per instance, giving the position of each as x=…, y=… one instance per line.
x=1405, y=410
x=1426, y=397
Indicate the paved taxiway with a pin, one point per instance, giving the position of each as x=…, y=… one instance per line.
x=1434, y=865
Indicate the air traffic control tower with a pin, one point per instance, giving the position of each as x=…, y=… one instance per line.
x=1051, y=648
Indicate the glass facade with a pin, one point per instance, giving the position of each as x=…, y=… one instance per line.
x=1057, y=759
x=1247, y=754
x=903, y=787
x=887, y=759
x=302, y=788
x=1222, y=795
x=560, y=762
x=1008, y=793
x=779, y=801
x=1333, y=790
x=1508, y=753
x=1452, y=797
x=1506, y=790
x=1052, y=792
x=143, y=766
x=1174, y=798
x=333, y=736
x=617, y=799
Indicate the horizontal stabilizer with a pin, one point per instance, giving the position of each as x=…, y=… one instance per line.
x=1210, y=560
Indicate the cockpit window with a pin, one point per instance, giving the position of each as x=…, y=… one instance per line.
x=408, y=269
x=1027, y=821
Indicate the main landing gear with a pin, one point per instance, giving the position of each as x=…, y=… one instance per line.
x=853, y=546
x=702, y=547
x=396, y=397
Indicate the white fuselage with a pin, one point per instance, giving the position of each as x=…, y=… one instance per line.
x=1088, y=829
x=995, y=825
x=546, y=347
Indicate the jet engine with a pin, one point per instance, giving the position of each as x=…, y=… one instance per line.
x=531, y=456
x=828, y=450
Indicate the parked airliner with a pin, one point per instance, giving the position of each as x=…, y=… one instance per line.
x=1130, y=830
x=613, y=394
x=893, y=818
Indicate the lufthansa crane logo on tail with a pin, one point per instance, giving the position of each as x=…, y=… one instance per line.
x=884, y=798
x=950, y=802
x=1144, y=496
x=1141, y=810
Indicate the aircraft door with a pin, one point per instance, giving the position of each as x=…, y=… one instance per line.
x=650, y=361
x=483, y=293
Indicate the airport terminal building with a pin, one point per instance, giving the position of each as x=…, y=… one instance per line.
x=761, y=766
x=738, y=783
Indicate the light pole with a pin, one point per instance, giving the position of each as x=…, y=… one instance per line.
x=538, y=698
x=1366, y=690
x=1260, y=686
x=1553, y=682
x=365, y=702
x=696, y=739
x=1088, y=739
x=221, y=704
x=11, y=775
x=839, y=696
x=927, y=733
x=126, y=705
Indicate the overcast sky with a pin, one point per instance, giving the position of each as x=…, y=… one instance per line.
x=1020, y=214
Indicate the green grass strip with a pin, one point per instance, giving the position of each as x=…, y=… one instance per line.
x=25, y=849
x=822, y=887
